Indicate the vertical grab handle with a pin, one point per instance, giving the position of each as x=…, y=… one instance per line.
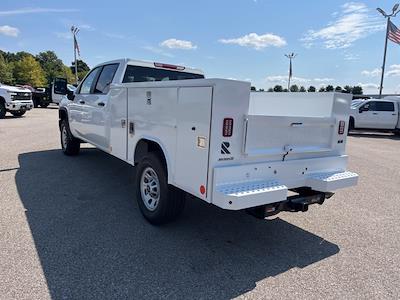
x=131, y=128
x=245, y=126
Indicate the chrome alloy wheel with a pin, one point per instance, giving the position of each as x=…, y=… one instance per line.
x=150, y=188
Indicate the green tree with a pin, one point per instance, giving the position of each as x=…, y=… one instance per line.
x=261, y=90
x=6, y=75
x=83, y=69
x=285, y=90
x=51, y=65
x=312, y=89
x=270, y=90
x=294, y=88
x=357, y=90
x=338, y=89
x=29, y=71
x=302, y=89
x=253, y=88
x=278, y=88
x=322, y=89
x=329, y=88
x=347, y=89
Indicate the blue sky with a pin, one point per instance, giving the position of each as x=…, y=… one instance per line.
x=337, y=42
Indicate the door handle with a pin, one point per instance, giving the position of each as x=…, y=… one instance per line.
x=123, y=123
x=81, y=102
x=131, y=128
x=101, y=104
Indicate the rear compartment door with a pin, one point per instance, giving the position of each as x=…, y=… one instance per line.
x=271, y=136
x=192, y=145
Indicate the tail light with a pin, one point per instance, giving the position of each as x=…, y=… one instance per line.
x=227, y=127
x=342, y=125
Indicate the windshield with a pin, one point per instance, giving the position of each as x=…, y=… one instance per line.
x=356, y=103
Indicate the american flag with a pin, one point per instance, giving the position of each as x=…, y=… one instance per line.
x=394, y=33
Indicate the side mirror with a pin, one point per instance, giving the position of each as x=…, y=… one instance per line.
x=70, y=95
x=60, y=86
x=363, y=108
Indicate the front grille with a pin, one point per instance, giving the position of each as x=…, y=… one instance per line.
x=22, y=96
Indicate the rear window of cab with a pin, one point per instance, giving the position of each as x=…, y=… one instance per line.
x=145, y=74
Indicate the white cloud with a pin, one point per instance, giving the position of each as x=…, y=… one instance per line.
x=284, y=79
x=64, y=35
x=323, y=79
x=369, y=87
x=9, y=31
x=297, y=80
x=35, y=11
x=255, y=41
x=178, y=44
x=353, y=23
x=394, y=70
x=157, y=51
x=373, y=73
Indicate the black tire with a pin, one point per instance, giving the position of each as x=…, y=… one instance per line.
x=2, y=110
x=351, y=125
x=44, y=104
x=71, y=145
x=35, y=104
x=18, y=113
x=171, y=200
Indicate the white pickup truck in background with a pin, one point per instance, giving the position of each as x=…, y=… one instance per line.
x=376, y=114
x=16, y=100
x=211, y=138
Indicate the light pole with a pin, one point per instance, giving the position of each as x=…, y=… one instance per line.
x=395, y=11
x=290, y=56
x=75, y=31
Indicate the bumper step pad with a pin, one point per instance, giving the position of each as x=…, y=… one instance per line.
x=330, y=181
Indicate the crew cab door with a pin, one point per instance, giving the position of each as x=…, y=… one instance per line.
x=377, y=114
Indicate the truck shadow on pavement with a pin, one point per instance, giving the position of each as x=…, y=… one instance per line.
x=93, y=242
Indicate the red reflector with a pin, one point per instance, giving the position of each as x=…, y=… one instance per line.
x=202, y=189
x=167, y=66
x=227, y=127
x=342, y=125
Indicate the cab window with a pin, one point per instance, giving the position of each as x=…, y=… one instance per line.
x=105, y=79
x=384, y=106
x=86, y=86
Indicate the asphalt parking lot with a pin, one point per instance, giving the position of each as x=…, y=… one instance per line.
x=71, y=229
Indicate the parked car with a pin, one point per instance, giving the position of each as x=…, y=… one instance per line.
x=210, y=138
x=15, y=100
x=40, y=96
x=376, y=114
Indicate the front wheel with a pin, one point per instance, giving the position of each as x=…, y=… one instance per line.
x=159, y=202
x=69, y=144
x=44, y=104
x=18, y=113
x=2, y=110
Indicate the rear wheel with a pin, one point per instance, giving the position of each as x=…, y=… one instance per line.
x=18, y=113
x=159, y=202
x=70, y=145
x=2, y=109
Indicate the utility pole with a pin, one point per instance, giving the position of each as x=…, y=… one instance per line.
x=75, y=31
x=395, y=10
x=290, y=56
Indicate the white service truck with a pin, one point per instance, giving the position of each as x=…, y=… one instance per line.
x=16, y=100
x=211, y=138
x=376, y=114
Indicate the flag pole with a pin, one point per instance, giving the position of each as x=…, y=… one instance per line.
x=291, y=56
x=74, y=30
x=384, y=58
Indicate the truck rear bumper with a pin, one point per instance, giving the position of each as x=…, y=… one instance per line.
x=246, y=186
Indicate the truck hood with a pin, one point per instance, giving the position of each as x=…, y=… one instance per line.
x=14, y=88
